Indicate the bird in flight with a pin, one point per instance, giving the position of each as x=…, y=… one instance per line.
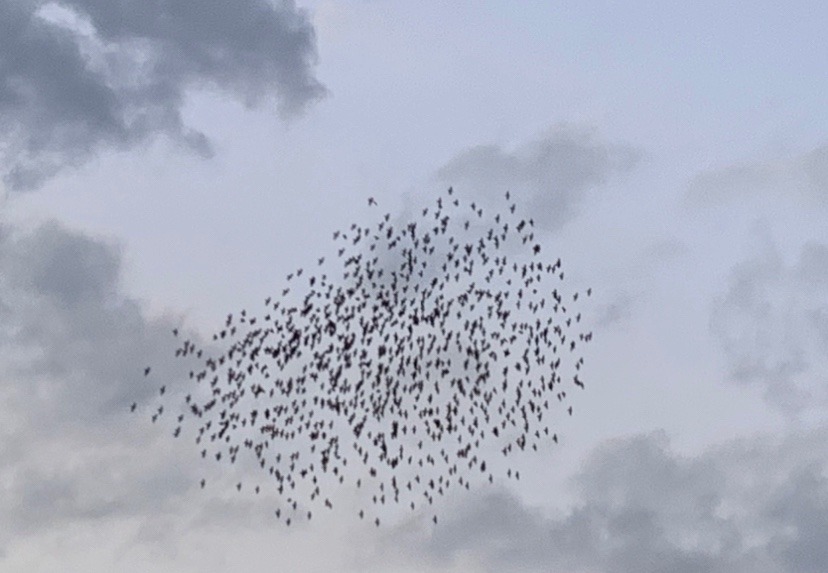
x=432, y=344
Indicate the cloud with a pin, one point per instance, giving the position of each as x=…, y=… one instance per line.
x=772, y=323
x=72, y=347
x=83, y=75
x=802, y=178
x=75, y=464
x=67, y=324
x=752, y=505
x=551, y=174
x=617, y=310
x=72, y=352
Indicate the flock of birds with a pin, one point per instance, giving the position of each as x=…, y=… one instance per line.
x=438, y=347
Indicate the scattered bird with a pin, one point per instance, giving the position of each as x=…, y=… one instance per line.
x=436, y=347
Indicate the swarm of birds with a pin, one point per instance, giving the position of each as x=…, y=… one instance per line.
x=440, y=345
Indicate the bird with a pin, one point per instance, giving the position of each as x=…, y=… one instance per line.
x=432, y=343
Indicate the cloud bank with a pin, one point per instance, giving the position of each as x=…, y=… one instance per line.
x=79, y=76
x=551, y=174
x=772, y=323
x=803, y=177
x=747, y=506
x=73, y=347
x=72, y=352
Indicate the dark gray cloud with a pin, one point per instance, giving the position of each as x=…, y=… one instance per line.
x=753, y=505
x=81, y=75
x=772, y=323
x=67, y=324
x=550, y=175
x=72, y=352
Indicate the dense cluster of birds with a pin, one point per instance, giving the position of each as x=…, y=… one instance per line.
x=438, y=347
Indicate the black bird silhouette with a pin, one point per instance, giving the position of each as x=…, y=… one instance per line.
x=436, y=344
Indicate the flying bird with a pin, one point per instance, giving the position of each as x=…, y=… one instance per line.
x=431, y=344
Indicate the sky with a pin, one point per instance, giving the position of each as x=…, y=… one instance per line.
x=165, y=163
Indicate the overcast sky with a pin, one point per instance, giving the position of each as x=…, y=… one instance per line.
x=165, y=163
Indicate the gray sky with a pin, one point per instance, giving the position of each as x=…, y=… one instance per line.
x=164, y=164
